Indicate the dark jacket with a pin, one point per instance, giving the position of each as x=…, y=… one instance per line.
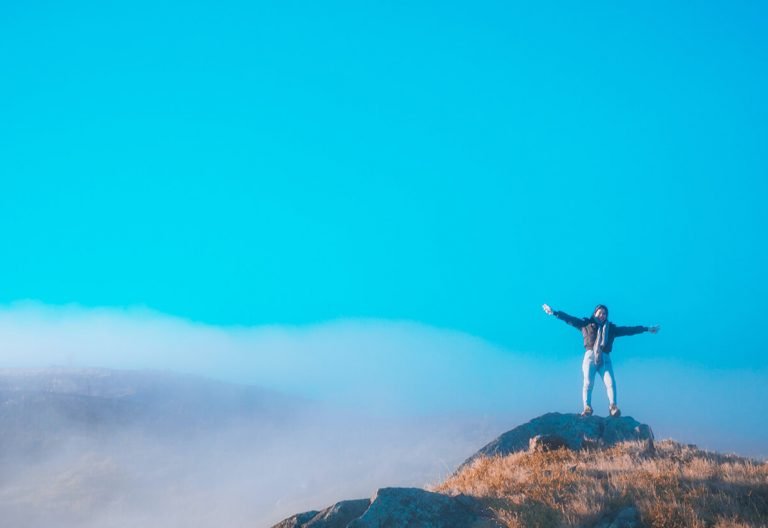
x=588, y=327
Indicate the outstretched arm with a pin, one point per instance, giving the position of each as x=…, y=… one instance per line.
x=633, y=330
x=571, y=320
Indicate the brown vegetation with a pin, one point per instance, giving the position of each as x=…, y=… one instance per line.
x=673, y=486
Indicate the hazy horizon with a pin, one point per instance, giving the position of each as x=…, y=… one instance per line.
x=395, y=368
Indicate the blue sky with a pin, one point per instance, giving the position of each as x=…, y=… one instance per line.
x=455, y=165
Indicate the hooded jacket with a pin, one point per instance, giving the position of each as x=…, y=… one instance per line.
x=589, y=326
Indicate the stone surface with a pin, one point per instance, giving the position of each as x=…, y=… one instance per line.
x=543, y=443
x=337, y=516
x=578, y=432
x=399, y=507
x=417, y=508
x=297, y=521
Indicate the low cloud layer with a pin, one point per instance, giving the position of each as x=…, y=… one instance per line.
x=393, y=368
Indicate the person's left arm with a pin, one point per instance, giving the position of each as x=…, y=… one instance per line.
x=619, y=331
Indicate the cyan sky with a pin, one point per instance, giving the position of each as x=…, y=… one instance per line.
x=451, y=163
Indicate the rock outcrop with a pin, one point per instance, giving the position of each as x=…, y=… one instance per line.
x=418, y=508
x=578, y=432
x=412, y=507
x=544, y=443
x=337, y=516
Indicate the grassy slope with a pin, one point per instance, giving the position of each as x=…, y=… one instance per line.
x=675, y=486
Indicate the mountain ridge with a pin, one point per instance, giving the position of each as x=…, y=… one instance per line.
x=43, y=408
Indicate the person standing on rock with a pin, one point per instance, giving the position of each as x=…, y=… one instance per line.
x=598, y=335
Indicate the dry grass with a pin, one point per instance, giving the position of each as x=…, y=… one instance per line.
x=674, y=487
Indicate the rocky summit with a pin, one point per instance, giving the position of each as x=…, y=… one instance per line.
x=575, y=431
x=418, y=508
x=564, y=470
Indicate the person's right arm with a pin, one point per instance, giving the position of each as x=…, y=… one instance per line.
x=571, y=320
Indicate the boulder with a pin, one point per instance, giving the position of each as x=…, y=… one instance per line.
x=395, y=507
x=417, y=508
x=578, y=432
x=337, y=516
x=543, y=443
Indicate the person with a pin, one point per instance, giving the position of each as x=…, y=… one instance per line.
x=598, y=334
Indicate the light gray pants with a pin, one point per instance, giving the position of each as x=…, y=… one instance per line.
x=605, y=370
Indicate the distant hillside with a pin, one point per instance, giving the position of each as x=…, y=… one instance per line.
x=41, y=408
x=570, y=471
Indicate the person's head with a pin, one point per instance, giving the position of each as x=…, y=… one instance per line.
x=601, y=313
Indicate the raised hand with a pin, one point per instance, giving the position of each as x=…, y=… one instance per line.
x=654, y=329
x=547, y=309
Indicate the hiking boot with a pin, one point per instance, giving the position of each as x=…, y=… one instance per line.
x=587, y=411
x=615, y=412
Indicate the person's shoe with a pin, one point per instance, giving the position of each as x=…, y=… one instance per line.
x=587, y=411
x=615, y=412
